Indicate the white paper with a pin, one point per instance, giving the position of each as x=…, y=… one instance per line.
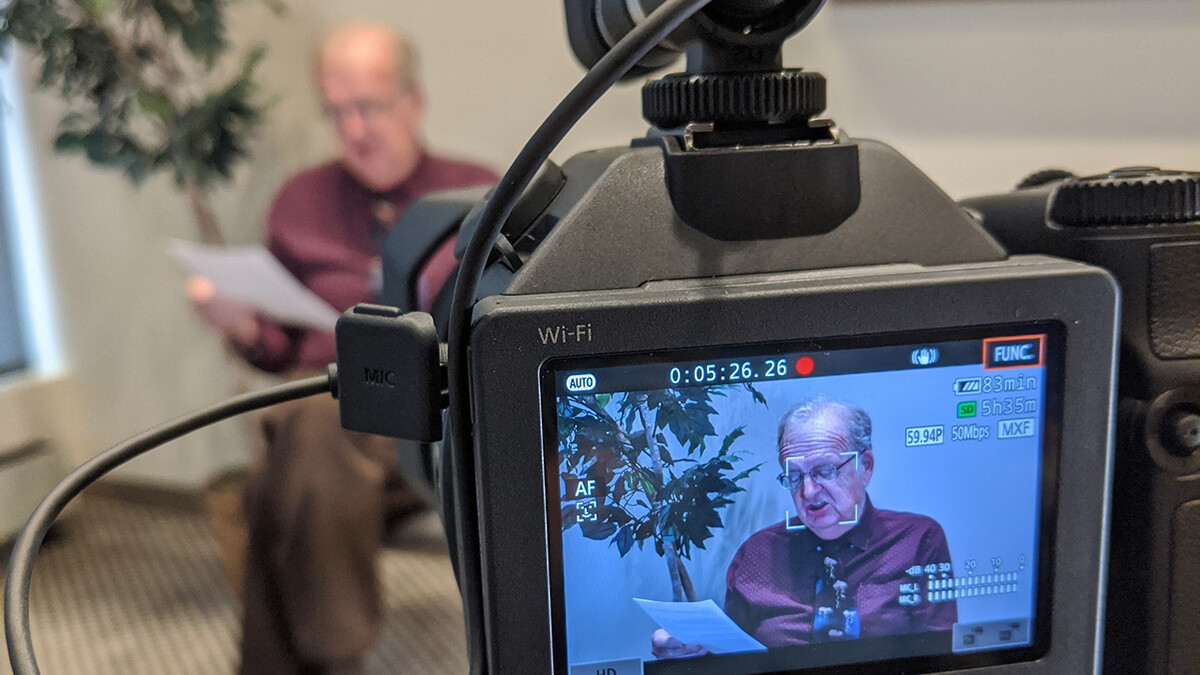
x=701, y=623
x=253, y=276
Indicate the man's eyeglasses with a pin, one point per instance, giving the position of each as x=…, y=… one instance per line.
x=368, y=110
x=824, y=474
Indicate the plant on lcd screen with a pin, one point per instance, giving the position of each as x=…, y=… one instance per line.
x=640, y=490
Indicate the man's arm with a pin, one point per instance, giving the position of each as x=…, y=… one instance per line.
x=274, y=347
x=736, y=605
x=665, y=646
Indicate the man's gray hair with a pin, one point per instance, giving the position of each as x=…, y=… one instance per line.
x=858, y=422
x=401, y=49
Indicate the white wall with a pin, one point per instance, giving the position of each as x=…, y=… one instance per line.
x=976, y=92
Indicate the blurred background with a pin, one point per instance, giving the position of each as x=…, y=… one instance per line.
x=97, y=340
x=976, y=93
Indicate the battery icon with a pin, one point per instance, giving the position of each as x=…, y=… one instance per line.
x=967, y=409
x=968, y=385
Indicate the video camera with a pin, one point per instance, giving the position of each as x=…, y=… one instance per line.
x=633, y=344
x=753, y=396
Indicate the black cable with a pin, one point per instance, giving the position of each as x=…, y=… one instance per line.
x=20, y=566
x=619, y=60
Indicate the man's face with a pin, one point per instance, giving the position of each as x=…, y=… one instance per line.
x=830, y=508
x=377, y=119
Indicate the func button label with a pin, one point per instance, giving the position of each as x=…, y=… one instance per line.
x=1021, y=351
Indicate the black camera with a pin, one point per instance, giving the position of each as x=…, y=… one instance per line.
x=1141, y=224
x=753, y=396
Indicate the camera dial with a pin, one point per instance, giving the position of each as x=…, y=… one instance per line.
x=1128, y=196
x=771, y=97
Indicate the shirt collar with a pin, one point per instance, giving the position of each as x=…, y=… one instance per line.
x=397, y=192
x=859, y=536
x=405, y=186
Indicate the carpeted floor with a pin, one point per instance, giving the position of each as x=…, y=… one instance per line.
x=129, y=589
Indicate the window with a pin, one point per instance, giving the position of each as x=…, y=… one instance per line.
x=12, y=347
x=28, y=328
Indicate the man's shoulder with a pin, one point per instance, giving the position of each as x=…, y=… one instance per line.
x=303, y=196
x=761, y=554
x=905, y=523
x=767, y=538
x=443, y=173
x=313, y=178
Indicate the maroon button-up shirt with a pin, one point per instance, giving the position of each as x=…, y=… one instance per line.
x=323, y=227
x=779, y=578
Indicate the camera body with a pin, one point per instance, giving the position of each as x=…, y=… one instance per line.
x=1141, y=224
x=650, y=315
x=613, y=273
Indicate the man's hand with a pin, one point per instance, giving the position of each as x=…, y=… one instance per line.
x=234, y=320
x=663, y=646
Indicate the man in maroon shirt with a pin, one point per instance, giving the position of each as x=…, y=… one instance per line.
x=318, y=501
x=839, y=569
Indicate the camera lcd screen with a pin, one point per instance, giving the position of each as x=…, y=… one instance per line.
x=858, y=504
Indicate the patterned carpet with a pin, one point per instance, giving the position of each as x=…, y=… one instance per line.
x=129, y=589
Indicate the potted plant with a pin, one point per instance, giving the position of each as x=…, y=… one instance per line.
x=140, y=81
x=646, y=492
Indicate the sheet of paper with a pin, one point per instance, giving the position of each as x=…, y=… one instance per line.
x=252, y=275
x=701, y=623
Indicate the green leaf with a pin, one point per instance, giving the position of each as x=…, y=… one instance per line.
x=619, y=489
x=598, y=530
x=645, y=530
x=664, y=455
x=31, y=21
x=758, y=397
x=168, y=12
x=69, y=141
x=738, y=478
x=97, y=8
x=203, y=30
x=731, y=437
x=253, y=57
x=157, y=103
x=624, y=540
x=648, y=488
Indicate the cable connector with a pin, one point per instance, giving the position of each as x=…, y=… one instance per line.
x=390, y=377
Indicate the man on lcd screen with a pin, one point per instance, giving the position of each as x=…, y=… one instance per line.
x=838, y=568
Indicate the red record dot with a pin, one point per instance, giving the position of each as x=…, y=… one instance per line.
x=805, y=365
